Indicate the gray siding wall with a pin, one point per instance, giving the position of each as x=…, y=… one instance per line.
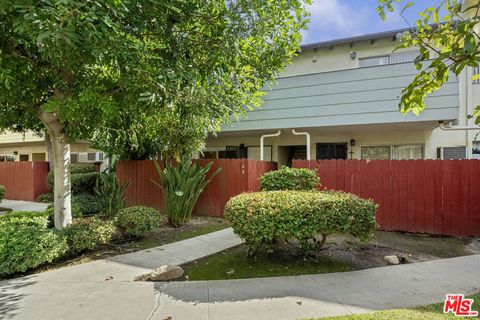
x=347, y=97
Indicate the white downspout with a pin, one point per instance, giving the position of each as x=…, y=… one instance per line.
x=267, y=136
x=308, y=140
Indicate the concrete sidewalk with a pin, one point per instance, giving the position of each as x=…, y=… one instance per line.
x=19, y=205
x=105, y=289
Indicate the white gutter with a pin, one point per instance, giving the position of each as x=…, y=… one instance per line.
x=267, y=136
x=308, y=140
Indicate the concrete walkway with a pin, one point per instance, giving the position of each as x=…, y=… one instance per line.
x=105, y=289
x=19, y=205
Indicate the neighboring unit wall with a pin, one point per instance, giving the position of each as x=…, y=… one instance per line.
x=365, y=136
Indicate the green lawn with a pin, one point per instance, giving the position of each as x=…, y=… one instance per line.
x=430, y=312
x=234, y=264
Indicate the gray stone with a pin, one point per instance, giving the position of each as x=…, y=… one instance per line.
x=164, y=273
x=393, y=259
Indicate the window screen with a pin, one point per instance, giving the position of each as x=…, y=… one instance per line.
x=376, y=152
x=454, y=152
x=403, y=57
x=407, y=152
x=375, y=61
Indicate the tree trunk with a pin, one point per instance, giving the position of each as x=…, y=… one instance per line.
x=62, y=186
x=61, y=168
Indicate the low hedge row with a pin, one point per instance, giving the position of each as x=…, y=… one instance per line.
x=26, y=242
x=261, y=217
x=81, y=182
x=83, y=177
x=27, y=239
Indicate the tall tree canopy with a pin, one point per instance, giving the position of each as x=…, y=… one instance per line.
x=448, y=42
x=116, y=70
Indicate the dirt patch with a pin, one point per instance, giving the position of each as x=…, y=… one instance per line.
x=340, y=253
x=408, y=247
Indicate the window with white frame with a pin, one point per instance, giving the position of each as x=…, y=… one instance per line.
x=394, y=58
x=403, y=57
x=374, y=61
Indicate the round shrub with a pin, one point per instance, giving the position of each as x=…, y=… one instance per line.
x=88, y=234
x=260, y=217
x=2, y=193
x=137, y=221
x=25, y=242
x=289, y=179
x=88, y=204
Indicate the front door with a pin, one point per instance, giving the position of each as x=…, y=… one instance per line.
x=326, y=151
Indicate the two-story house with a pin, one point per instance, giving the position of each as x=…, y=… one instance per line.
x=343, y=94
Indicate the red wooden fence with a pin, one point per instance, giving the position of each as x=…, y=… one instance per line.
x=237, y=176
x=422, y=196
x=24, y=180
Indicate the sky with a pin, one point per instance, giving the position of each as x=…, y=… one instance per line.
x=334, y=19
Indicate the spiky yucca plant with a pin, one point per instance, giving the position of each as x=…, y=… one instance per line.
x=182, y=184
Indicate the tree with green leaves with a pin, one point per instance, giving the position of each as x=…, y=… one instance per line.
x=77, y=68
x=448, y=43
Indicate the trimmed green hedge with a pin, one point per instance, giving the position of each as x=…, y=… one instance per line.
x=138, y=221
x=83, y=178
x=88, y=204
x=26, y=242
x=88, y=234
x=261, y=217
x=289, y=179
x=33, y=218
x=2, y=193
x=82, y=168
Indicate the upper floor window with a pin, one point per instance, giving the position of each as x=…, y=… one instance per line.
x=399, y=57
x=375, y=61
x=403, y=57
